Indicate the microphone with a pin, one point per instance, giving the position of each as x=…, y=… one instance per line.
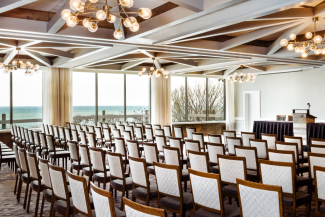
x=308, y=105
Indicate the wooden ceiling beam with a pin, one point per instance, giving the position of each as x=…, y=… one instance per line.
x=183, y=62
x=293, y=13
x=132, y=64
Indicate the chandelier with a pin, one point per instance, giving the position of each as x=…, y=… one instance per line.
x=242, y=77
x=153, y=71
x=314, y=44
x=19, y=64
x=91, y=23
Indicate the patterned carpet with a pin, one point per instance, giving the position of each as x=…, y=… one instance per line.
x=10, y=207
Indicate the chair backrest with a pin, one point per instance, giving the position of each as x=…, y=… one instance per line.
x=199, y=161
x=192, y=145
x=214, y=138
x=178, y=132
x=133, y=148
x=74, y=150
x=97, y=157
x=259, y=199
x=270, y=138
x=14, y=127
x=30, y=136
x=261, y=147
x=67, y=133
x=75, y=137
x=246, y=136
x=134, y=209
x=314, y=141
x=288, y=147
x=50, y=143
x=45, y=172
x=118, y=123
x=156, y=127
x=177, y=143
x=15, y=148
x=59, y=183
x=317, y=148
x=120, y=146
x=103, y=201
x=116, y=133
x=105, y=125
x=280, y=174
x=46, y=129
x=315, y=159
x=36, y=138
x=159, y=132
x=84, y=155
x=22, y=133
x=138, y=132
x=172, y=156
x=73, y=126
x=149, y=134
x=228, y=133
x=33, y=167
x=161, y=142
x=208, y=195
x=250, y=153
x=168, y=179
x=84, y=128
x=83, y=138
x=43, y=140
x=167, y=130
x=26, y=135
x=91, y=139
x=112, y=127
x=281, y=117
x=55, y=132
x=319, y=174
x=61, y=133
x=290, y=117
x=213, y=150
x=199, y=137
x=91, y=129
x=19, y=131
x=231, y=142
x=107, y=134
x=231, y=168
x=130, y=129
x=140, y=175
x=120, y=128
x=294, y=139
x=281, y=155
x=23, y=160
x=127, y=135
x=78, y=127
x=189, y=131
x=116, y=165
x=150, y=152
x=98, y=131
x=148, y=125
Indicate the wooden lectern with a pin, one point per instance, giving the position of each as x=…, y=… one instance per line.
x=301, y=118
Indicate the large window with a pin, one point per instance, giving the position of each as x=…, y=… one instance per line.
x=198, y=99
x=26, y=97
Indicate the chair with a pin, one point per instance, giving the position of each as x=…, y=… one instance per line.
x=37, y=143
x=18, y=171
x=177, y=143
x=271, y=139
x=317, y=149
x=118, y=123
x=101, y=174
x=149, y=135
x=83, y=137
x=68, y=136
x=99, y=136
x=189, y=131
x=85, y=162
x=112, y=127
x=75, y=137
x=246, y=136
x=315, y=159
x=141, y=187
x=207, y=197
x=293, y=139
x=139, y=133
x=191, y=145
x=56, y=135
x=228, y=133
x=261, y=147
x=118, y=180
x=257, y=199
x=199, y=137
x=47, y=191
x=78, y=127
x=75, y=160
x=73, y=126
x=62, y=139
x=178, y=132
x=121, y=149
x=121, y=128
x=116, y=133
x=314, y=141
x=133, y=209
x=85, y=128
x=91, y=140
x=91, y=129
x=231, y=168
x=105, y=125
x=290, y=117
x=214, y=138
x=25, y=174
x=213, y=150
x=159, y=132
x=281, y=118
x=148, y=125
x=127, y=135
x=151, y=155
x=319, y=173
x=167, y=130
x=54, y=155
x=199, y=161
x=104, y=203
x=232, y=142
x=156, y=127
x=133, y=148
x=31, y=141
x=161, y=142
x=284, y=174
x=36, y=183
x=170, y=194
x=250, y=153
x=62, y=203
x=131, y=130
x=108, y=138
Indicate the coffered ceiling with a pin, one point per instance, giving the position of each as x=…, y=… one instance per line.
x=201, y=37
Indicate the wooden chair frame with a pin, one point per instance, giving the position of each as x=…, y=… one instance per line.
x=144, y=209
x=206, y=154
x=256, y=160
x=318, y=200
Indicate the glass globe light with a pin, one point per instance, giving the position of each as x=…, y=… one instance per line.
x=23, y=65
x=130, y=5
x=135, y=27
x=317, y=51
x=74, y=4
x=5, y=72
x=145, y=13
x=144, y=69
x=36, y=66
x=125, y=3
x=92, y=27
x=86, y=22
x=139, y=74
x=93, y=1
x=309, y=35
x=305, y=44
x=20, y=61
x=304, y=54
x=81, y=7
x=111, y=18
x=118, y=34
x=149, y=75
x=297, y=49
x=127, y=22
x=101, y=15
x=152, y=69
x=36, y=71
x=291, y=47
x=14, y=62
x=318, y=39
x=65, y=14
x=30, y=73
x=28, y=63
x=293, y=36
x=9, y=69
x=72, y=21
x=284, y=42
x=322, y=51
x=132, y=20
x=26, y=73
x=312, y=47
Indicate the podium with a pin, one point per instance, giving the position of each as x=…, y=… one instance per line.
x=301, y=117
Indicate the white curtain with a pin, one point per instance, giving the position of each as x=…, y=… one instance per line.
x=161, y=112
x=57, y=96
x=230, y=105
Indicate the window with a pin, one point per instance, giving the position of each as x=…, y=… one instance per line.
x=84, y=101
x=110, y=97
x=197, y=99
x=137, y=98
x=4, y=100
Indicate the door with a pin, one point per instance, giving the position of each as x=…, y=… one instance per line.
x=252, y=109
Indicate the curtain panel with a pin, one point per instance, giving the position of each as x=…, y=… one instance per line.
x=57, y=96
x=230, y=105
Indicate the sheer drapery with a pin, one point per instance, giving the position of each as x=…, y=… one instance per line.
x=161, y=112
x=230, y=106
x=57, y=96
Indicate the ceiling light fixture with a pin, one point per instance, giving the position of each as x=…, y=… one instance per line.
x=242, y=77
x=314, y=44
x=154, y=71
x=19, y=64
x=98, y=15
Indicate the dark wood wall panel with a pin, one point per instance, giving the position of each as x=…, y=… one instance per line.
x=205, y=128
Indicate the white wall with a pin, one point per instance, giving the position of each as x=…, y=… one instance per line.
x=280, y=93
